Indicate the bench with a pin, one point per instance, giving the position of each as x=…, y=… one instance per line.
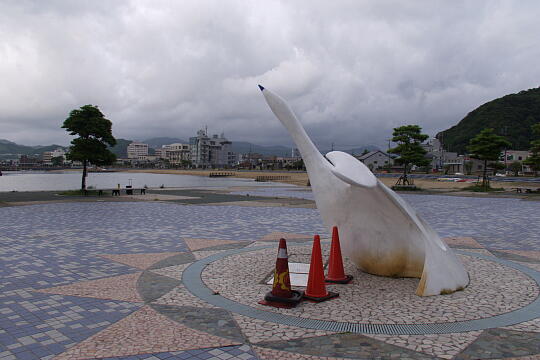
x=129, y=191
x=527, y=190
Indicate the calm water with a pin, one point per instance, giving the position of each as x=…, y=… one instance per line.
x=69, y=180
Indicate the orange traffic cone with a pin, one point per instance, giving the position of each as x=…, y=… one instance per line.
x=336, y=273
x=316, y=289
x=281, y=294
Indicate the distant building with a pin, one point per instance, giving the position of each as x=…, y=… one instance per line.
x=174, y=153
x=215, y=151
x=136, y=149
x=47, y=156
x=459, y=165
x=510, y=156
x=27, y=162
x=295, y=153
x=375, y=159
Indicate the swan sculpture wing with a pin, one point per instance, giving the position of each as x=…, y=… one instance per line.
x=379, y=231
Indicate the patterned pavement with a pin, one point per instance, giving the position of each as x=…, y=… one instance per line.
x=71, y=275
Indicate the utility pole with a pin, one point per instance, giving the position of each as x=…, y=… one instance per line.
x=332, y=146
x=504, y=132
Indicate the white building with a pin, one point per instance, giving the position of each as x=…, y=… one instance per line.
x=136, y=149
x=49, y=155
x=375, y=159
x=212, y=151
x=174, y=153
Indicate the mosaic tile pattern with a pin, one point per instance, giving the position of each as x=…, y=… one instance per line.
x=202, y=254
x=496, y=223
x=174, y=271
x=123, y=287
x=494, y=289
x=444, y=346
x=35, y=325
x=272, y=354
x=258, y=331
x=143, y=331
x=214, y=321
x=197, y=244
x=462, y=242
x=243, y=352
x=92, y=249
x=532, y=326
x=139, y=261
x=180, y=296
x=501, y=343
x=353, y=346
x=531, y=254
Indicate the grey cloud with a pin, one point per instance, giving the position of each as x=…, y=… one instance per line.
x=351, y=70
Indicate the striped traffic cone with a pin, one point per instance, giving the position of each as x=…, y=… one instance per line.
x=282, y=295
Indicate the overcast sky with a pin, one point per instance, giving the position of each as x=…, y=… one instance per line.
x=351, y=70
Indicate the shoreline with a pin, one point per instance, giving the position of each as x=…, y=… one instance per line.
x=301, y=179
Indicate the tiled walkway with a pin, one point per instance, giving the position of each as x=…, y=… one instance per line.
x=71, y=276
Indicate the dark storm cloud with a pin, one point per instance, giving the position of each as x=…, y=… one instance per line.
x=351, y=70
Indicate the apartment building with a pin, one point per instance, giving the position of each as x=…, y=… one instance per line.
x=175, y=153
x=215, y=151
x=47, y=156
x=137, y=150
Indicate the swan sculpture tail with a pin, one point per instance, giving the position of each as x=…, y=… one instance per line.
x=379, y=231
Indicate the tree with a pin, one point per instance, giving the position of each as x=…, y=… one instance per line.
x=409, y=139
x=57, y=161
x=487, y=146
x=534, y=160
x=515, y=167
x=95, y=134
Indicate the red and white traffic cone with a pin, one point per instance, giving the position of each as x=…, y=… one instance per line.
x=282, y=295
x=316, y=288
x=336, y=272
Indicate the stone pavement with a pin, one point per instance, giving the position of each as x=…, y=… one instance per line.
x=105, y=280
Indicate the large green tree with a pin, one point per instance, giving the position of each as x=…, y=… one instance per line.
x=409, y=139
x=534, y=160
x=487, y=146
x=95, y=133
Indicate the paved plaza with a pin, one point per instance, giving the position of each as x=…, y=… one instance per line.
x=165, y=280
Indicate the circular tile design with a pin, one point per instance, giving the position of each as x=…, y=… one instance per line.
x=501, y=293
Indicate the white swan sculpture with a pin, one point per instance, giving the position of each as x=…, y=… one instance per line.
x=379, y=231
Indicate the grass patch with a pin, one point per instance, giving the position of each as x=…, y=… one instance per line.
x=480, y=188
x=406, y=188
x=82, y=193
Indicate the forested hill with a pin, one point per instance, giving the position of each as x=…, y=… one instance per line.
x=511, y=115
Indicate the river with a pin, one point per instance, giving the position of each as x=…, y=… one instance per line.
x=71, y=180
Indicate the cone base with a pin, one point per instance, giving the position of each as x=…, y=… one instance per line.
x=277, y=304
x=278, y=301
x=330, y=295
x=347, y=279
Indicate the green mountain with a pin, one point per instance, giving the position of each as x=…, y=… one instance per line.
x=8, y=147
x=120, y=149
x=511, y=115
x=158, y=142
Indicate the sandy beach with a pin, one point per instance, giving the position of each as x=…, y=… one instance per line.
x=301, y=179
